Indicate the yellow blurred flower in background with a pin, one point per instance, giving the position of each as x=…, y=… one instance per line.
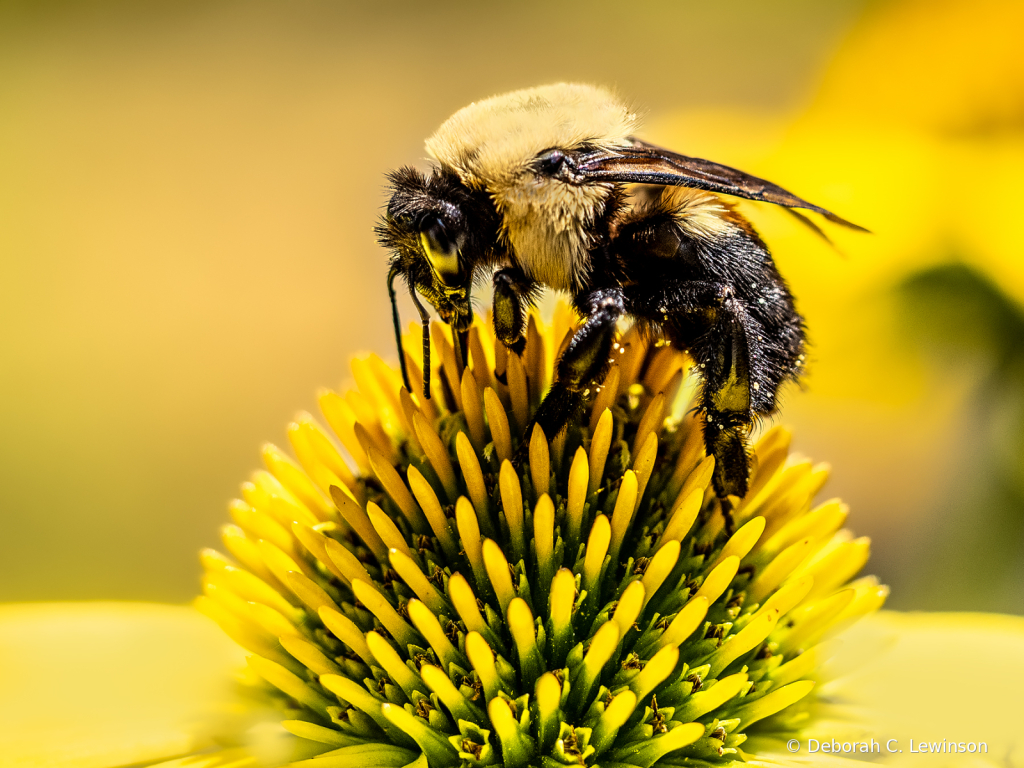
x=917, y=358
x=926, y=101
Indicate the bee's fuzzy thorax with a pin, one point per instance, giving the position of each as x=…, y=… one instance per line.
x=492, y=144
x=492, y=141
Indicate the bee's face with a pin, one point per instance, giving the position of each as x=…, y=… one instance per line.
x=440, y=234
x=434, y=241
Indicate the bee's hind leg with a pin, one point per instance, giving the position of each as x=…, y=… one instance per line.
x=582, y=366
x=726, y=402
x=707, y=319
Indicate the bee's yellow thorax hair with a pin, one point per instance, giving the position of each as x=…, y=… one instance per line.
x=491, y=145
x=491, y=142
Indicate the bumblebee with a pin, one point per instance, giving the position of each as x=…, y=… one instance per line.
x=548, y=187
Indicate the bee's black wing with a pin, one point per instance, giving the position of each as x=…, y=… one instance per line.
x=643, y=163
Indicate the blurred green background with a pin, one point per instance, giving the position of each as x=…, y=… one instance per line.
x=187, y=196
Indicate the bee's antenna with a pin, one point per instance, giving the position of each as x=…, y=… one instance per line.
x=398, y=327
x=425, y=319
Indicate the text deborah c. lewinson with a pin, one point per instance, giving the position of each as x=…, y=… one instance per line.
x=888, y=745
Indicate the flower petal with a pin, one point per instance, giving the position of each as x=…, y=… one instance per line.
x=952, y=676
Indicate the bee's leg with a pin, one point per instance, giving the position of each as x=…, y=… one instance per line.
x=582, y=366
x=725, y=400
x=706, y=318
x=514, y=294
x=744, y=350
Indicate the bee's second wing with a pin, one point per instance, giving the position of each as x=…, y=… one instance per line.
x=644, y=163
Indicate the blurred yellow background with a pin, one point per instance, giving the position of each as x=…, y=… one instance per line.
x=186, y=209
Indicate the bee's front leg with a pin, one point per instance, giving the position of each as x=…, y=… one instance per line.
x=514, y=294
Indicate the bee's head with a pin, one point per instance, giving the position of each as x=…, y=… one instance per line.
x=432, y=228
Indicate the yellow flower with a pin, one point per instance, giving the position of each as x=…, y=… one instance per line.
x=436, y=607
x=438, y=604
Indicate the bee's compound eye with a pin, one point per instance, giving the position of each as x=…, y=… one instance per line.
x=441, y=250
x=436, y=235
x=550, y=163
